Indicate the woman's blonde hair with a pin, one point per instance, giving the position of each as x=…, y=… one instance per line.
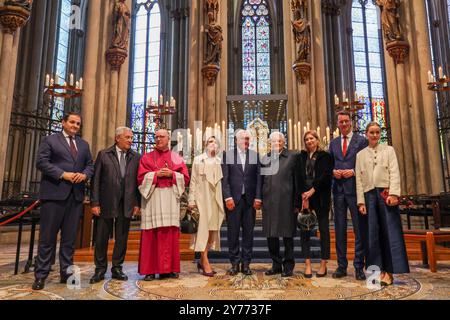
x=372, y=124
x=315, y=135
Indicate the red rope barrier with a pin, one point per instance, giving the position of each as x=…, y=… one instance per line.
x=20, y=214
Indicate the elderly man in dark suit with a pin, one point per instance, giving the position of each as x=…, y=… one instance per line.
x=343, y=149
x=115, y=200
x=241, y=188
x=65, y=161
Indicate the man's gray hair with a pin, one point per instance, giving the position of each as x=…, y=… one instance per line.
x=241, y=132
x=121, y=130
x=276, y=135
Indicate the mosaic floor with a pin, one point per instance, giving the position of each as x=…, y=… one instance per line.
x=420, y=284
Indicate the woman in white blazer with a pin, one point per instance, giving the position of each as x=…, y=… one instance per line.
x=205, y=193
x=378, y=191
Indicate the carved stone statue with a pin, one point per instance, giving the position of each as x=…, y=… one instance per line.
x=212, y=8
x=390, y=19
x=301, y=29
x=121, y=25
x=26, y=4
x=213, y=44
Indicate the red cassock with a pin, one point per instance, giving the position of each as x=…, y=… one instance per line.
x=160, y=247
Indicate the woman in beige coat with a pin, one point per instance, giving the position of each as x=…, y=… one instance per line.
x=205, y=193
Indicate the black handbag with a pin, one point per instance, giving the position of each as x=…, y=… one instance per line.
x=189, y=223
x=306, y=220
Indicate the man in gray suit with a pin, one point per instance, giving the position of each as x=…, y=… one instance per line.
x=115, y=200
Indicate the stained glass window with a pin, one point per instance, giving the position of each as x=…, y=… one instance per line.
x=145, y=71
x=369, y=68
x=61, y=61
x=255, y=47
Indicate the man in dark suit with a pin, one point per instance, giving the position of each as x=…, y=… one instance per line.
x=66, y=164
x=241, y=188
x=115, y=200
x=343, y=150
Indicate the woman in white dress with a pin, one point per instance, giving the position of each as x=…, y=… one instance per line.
x=205, y=193
x=378, y=191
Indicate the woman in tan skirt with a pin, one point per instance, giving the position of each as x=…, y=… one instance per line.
x=205, y=193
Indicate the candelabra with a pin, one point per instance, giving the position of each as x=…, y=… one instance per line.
x=160, y=110
x=66, y=91
x=441, y=85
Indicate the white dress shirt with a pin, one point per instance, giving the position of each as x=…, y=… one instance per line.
x=243, y=156
x=349, y=138
x=377, y=168
x=68, y=139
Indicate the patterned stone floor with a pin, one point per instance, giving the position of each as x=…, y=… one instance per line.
x=420, y=284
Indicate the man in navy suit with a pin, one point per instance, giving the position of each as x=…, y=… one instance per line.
x=66, y=164
x=241, y=188
x=343, y=150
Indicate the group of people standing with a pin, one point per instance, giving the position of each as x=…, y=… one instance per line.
x=361, y=174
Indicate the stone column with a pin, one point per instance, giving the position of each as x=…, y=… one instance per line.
x=12, y=17
x=431, y=138
x=194, y=28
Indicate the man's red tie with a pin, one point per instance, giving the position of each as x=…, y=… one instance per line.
x=344, y=146
x=73, y=149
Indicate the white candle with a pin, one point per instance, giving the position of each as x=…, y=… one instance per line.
x=47, y=80
x=295, y=137
x=81, y=83
x=343, y=97
x=77, y=85
x=307, y=126
x=167, y=104
x=291, y=142
x=52, y=82
x=327, y=132
x=299, y=134
x=56, y=78
x=161, y=100
x=65, y=84
x=441, y=73
x=174, y=103
x=318, y=132
x=71, y=80
x=336, y=100
x=430, y=76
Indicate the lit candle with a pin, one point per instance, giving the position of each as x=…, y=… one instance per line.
x=344, y=97
x=441, y=73
x=47, y=80
x=81, y=83
x=65, y=84
x=167, y=104
x=318, y=132
x=295, y=137
x=327, y=132
x=223, y=135
x=291, y=142
x=336, y=99
x=52, y=82
x=77, y=85
x=71, y=80
x=299, y=134
x=161, y=100
x=430, y=76
x=174, y=103
x=304, y=131
x=307, y=126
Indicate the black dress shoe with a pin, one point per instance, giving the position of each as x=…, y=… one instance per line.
x=272, y=272
x=287, y=274
x=246, y=271
x=234, y=270
x=171, y=275
x=308, y=275
x=97, y=277
x=359, y=274
x=38, y=284
x=321, y=275
x=340, y=273
x=149, y=277
x=118, y=275
x=64, y=278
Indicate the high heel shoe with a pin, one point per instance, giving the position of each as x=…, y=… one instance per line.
x=203, y=272
x=321, y=275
